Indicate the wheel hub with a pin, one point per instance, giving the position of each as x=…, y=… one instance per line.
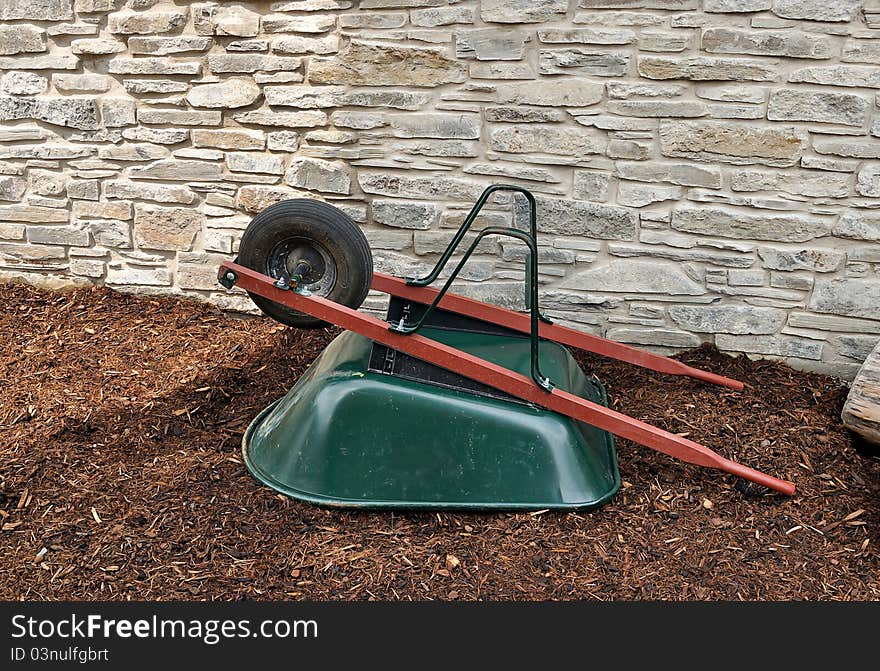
x=304, y=262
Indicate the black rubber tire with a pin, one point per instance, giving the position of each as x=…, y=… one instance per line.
x=321, y=223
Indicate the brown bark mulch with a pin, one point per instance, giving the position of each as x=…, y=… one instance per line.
x=120, y=478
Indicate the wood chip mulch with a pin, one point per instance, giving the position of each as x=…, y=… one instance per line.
x=121, y=478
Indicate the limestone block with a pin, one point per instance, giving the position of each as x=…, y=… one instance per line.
x=248, y=63
x=256, y=198
x=87, y=83
x=856, y=225
x=860, y=76
x=704, y=68
x=658, y=337
x=491, y=45
x=152, y=66
x=39, y=62
x=561, y=216
x=111, y=233
x=229, y=138
x=45, y=183
x=71, y=112
x=453, y=126
x=737, y=319
x=404, y=214
x=163, y=46
x=633, y=194
x=58, y=235
x=160, y=19
x=817, y=10
x=540, y=138
x=563, y=93
x=178, y=117
x=230, y=93
x=97, y=47
x=21, y=39
x=770, y=345
x=97, y=6
x=179, y=170
x=319, y=175
x=734, y=6
x=166, y=228
x=156, y=135
x=23, y=83
x=732, y=143
x=432, y=17
x=736, y=224
x=847, y=296
x=306, y=45
x=793, y=44
x=868, y=183
x=282, y=119
x=824, y=107
x=684, y=174
x=12, y=188
x=244, y=161
x=590, y=185
x=583, y=62
x=380, y=65
x=378, y=20
x=160, y=193
x=521, y=11
x=104, y=210
x=587, y=36
x=36, y=10
x=198, y=270
x=118, y=112
x=635, y=277
x=279, y=23
x=283, y=140
x=816, y=260
x=216, y=19
x=138, y=276
x=799, y=183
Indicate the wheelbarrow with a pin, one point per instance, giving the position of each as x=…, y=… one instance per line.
x=450, y=403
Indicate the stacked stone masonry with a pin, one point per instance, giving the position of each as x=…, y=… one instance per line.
x=706, y=170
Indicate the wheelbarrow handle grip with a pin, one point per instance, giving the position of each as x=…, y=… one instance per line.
x=706, y=376
x=758, y=477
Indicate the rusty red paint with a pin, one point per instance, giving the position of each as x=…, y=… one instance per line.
x=561, y=334
x=501, y=378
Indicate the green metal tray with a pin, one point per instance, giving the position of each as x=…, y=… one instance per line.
x=346, y=436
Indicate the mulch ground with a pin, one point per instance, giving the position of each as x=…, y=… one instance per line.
x=120, y=478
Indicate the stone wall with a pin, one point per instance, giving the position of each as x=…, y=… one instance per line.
x=707, y=170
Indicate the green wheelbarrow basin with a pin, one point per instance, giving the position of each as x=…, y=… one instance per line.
x=348, y=436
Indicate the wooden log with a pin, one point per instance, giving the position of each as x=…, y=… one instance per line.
x=861, y=412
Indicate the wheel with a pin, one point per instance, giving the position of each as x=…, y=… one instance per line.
x=315, y=240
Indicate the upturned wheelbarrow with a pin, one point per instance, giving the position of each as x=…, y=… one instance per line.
x=451, y=403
